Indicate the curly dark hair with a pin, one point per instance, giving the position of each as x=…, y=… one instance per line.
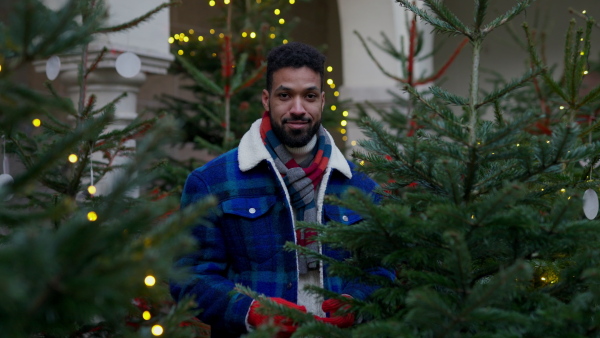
x=295, y=55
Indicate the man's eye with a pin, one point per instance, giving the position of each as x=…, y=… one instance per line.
x=283, y=95
x=311, y=96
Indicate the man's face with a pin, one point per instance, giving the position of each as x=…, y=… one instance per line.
x=295, y=104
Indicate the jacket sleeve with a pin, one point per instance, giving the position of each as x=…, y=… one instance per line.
x=221, y=307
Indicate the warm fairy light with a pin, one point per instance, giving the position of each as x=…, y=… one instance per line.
x=92, y=190
x=272, y=36
x=561, y=107
x=171, y=40
x=542, y=189
x=563, y=190
x=146, y=315
x=292, y=2
x=362, y=162
x=472, y=216
x=0, y=68
x=244, y=34
x=200, y=38
x=72, y=158
x=333, y=107
x=543, y=278
x=345, y=113
x=329, y=81
x=226, y=2
x=277, y=11
x=212, y=31
x=186, y=39
x=353, y=143
x=258, y=1
x=157, y=330
x=344, y=123
x=585, y=72
x=343, y=131
x=332, y=86
x=330, y=69
x=518, y=145
x=176, y=36
x=285, y=41
x=191, y=31
x=214, y=55
x=36, y=122
x=569, y=198
x=336, y=93
x=281, y=21
x=582, y=53
x=221, y=35
x=92, y=216
x=180, y=52
x=345, y=138
x=252, y=35
x=211, y=3
x=584, y=11
x=150, y=280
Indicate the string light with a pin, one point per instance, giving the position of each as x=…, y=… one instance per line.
x=272, y=36
x=73, y=158
x=176, y=36
x=329, y=81
x=0, y=68
x=92, y=189
x=211, y=3
x=157, y=330
x=281, y=21
x=353, y=143
x=277, y=11
x=344, y=123
x=191, y=31
x=221, y=35
x=200, y=38
x=345, y=113
x=146, y=315
x=336, y=93
x=226, y=2
x=180, y=52
x=212, y=31
x=518, y=145
x=333, y=107
x=252, y=35
x=362, y=162
x=563, y=190
x=285, y=41
x=171, y=40
x=585, y=72
x=330, y=69
x=543, y=278
x=345, y=138
x=582, y=53
x=244, y=34
x=343, y=131
x=92, y=216
x=584, y=11
x=292, y=2
x=472, y=216
x=36, y=122
x=186, y=39
x=150, y=280
x=542, y=189
x=332, y=86
x=561, y=107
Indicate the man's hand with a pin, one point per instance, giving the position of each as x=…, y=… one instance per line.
x=285, y=324
x=332, y=306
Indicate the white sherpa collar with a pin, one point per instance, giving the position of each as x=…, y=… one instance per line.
x=252, y=151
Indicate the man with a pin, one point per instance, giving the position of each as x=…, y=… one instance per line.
x=284, y=166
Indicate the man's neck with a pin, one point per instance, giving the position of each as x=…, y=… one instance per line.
x=301, y=153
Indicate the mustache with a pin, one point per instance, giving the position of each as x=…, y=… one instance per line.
x=295, y=119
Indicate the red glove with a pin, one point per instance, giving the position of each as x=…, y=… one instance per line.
x=285, y=324
x=332, y=306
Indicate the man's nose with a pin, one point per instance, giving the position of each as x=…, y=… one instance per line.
x=297, y=106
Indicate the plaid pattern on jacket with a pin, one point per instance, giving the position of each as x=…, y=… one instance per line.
x=242, y=242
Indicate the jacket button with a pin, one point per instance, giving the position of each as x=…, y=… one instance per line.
x=252, y=210
x=289, y=286
x=345, y=218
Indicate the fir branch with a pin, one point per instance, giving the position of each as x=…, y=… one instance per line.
x=201, y=79
x=96, y=62
x=385, y=72
x=583, y=16
x=480, y=11
x=449, y=23
x=509, y=15
x=449, y=97
x=133, y=23
x=514, y=84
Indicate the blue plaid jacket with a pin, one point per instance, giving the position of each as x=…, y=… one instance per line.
x=242, y=242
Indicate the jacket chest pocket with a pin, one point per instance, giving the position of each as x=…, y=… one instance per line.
x=340, y=214
x=253, y=227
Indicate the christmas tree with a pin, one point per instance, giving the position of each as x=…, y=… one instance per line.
x=75, y=262
x=488, y=219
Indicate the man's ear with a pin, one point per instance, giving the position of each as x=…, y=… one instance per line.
x=265, y=99
x=322, y=100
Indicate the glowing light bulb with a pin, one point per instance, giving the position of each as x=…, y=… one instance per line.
x=332, y=86
x=582, y=53
x=244, y=34
x=92, y=216
x=584, y=11
x=200, y=38
x=150, y=280
x=157, y=330
x=329, y=81
x=285, y=41
x=343, y=131
x=277, y=11
x=212, y=31
x=345, y=113
x=186, y=39
x=252, y=35
x=561, y=107
x=362, y=162
x=272, y=36
x=292, y=2
x=73, y=158
x=353, y=143
x=344, y=123
x=180, y=52
x=333, y=107
x=191, y=31
x=563, y=190
x=221, y=35
x=585, y=72
x=472, y=216
x=91, y=189
x=281, y=21
x=547, y=141
x=336, y=93
x=36, y=122
x=211, y=3
x=345, y=138
x=146, y=315
x=542, y=189
x=226, y=2
x=543, y=278
x=176, y=36
x=330, y=69
x=518, y=145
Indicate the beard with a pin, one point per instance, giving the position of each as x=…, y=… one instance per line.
x=294, y=138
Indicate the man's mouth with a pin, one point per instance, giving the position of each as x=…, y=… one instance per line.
x=296, y=124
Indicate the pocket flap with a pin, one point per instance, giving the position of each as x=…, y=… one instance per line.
x=249, y=207
x=341, y=214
